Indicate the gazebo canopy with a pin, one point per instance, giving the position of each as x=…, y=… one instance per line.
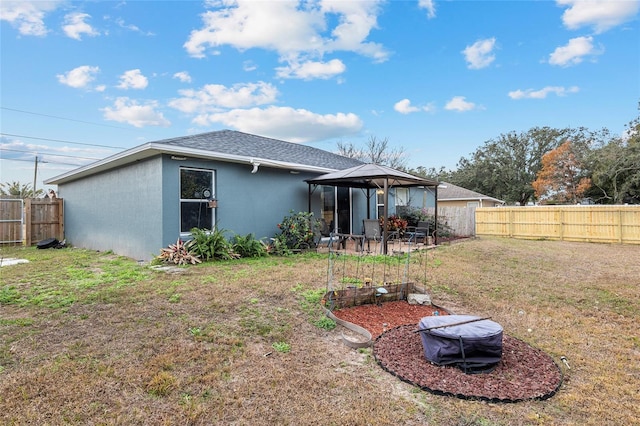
x=375, y=176
x=371, y=176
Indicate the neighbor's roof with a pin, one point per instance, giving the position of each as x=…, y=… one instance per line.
x=450, y=192
x=371, y=176
x=223, y=145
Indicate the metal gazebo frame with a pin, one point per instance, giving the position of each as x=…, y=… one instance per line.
x=376, y=176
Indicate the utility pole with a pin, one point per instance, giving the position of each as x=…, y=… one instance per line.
x=35, y=176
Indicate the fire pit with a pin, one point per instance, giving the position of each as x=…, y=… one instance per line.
x=471, y=343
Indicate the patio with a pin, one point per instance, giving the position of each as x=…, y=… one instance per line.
x=353, y=244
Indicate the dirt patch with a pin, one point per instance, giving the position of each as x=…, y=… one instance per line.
x=523, y=373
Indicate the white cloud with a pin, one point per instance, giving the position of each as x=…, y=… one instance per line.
x=404, y=107
x=294, y=125
x=249, y=66
x=133, y=79
x=213, y=97
x=79, y=77
x=602, y=15
x=15, y=148
x=129, y=111
x=291, y=28
x=131, y=27
x=27, y=16
x=75, y=26
x=430, y=6
x=542, y=93
x=574, y=52
x=459, y=103
x=356, y=20
x=183, y=76
x=480, y=54
x=311, y=70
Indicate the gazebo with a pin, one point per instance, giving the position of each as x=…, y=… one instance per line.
x=377, y=177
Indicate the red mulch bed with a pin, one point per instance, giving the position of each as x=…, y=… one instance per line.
x=523, y=373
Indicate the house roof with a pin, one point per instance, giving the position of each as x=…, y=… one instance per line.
x=450, y=192
x=371, y=176
x=223, y=145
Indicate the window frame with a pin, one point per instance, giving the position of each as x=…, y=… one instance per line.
x=204, y=202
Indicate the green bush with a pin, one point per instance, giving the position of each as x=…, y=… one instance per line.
x=211, y=245
x=414, y=215
x=296, y=233
x=248, y=246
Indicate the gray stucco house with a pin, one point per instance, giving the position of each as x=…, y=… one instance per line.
x=144, y=198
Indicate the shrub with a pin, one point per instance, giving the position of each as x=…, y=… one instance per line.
x=211, y=245
x=179, y=254
x=395, y=223
x=414, y=216
x=248, y=246
x=296, y=232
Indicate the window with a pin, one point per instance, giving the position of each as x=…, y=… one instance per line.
x=402, y=197
x=196, y=189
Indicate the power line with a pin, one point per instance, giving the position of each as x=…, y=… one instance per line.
x=40, y=161
x=64, y=118
x=48, y=153
x=61, y=141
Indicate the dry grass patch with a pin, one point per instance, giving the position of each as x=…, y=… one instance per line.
x=92, y=338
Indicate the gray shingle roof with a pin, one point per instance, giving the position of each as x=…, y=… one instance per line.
x=243, y=144
x=225, y=145
x=449, y=191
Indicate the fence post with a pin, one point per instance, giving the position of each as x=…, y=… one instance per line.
x=561, y=218
x=61, y=219
x=27, y=222
x=511, y=219
x=620, y=225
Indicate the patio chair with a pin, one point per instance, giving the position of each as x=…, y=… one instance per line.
x=371, y=231
x=419, y=232
x=324, y=235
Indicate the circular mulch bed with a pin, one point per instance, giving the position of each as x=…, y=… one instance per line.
x=523, y=373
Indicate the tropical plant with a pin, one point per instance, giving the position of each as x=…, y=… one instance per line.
x=395, y=223
x=211, y=244
x=19, y=190
x=178, y=254
x=248, y=246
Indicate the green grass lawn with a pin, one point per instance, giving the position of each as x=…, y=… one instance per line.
x=94, y=338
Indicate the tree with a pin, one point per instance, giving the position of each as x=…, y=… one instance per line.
x=441, y=174
x=18, y=190
x=377, y=151
x=505, y=167
x=562, y=176
x=616, y=168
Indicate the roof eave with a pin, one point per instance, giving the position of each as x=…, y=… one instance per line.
x=152, y=149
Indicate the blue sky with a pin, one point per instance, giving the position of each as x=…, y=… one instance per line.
x=84, y=80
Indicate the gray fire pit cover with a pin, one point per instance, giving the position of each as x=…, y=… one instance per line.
x=473, y=346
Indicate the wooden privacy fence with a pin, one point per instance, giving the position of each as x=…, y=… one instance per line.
x=460, y=219
x=602, y=224
x=32, y=220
